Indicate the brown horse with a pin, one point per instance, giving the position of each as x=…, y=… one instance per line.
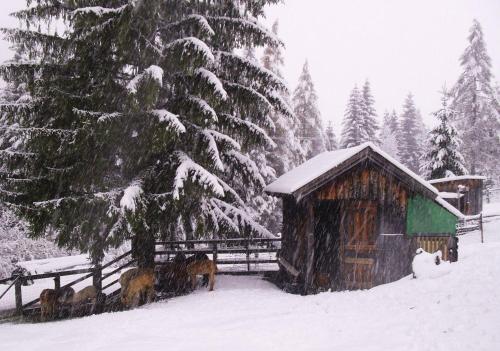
x=173, y=276
x=140, y=289
x=201, y=268
x=51, y=300
x=48, y=302
x=86, y=295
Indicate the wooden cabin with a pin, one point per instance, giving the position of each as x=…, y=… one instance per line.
x=465, y=193
x=353, y=218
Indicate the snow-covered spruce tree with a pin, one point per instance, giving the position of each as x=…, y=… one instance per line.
x=389, y=134
x=288, y=153
x=12, y=94
x=262, y=207
x=353, y=131
x=410, y=150
x=477, y=107
x=370, y=124
x=305, y=105
x=330, y=135
x=443, y=158
x=141, y=120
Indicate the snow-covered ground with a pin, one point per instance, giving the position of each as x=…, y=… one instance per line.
x=458, y=310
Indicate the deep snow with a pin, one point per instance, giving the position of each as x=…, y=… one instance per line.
x=459, y=310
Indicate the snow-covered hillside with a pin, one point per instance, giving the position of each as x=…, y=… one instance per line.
x=458, y=310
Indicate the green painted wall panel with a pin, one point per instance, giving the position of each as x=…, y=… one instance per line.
x=425, y=216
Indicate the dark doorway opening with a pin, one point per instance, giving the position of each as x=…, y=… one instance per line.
x=327, y=245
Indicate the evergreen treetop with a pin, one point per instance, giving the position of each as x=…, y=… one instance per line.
x=305, y=103
x=409, y=148
x=389, y=134
x=353, y=126
x=370, y=124
x=273, y=56
x=443, y=158
x=289, y=152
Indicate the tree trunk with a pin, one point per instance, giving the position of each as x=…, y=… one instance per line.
x=143, y=250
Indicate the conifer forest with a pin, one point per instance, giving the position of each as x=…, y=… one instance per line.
x=331, y=169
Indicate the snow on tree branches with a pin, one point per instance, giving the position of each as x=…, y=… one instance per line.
x=150, y=93
x=409, y=146
x=477, y=107
x=443, y=158
x=360, y=119
x=305, y=104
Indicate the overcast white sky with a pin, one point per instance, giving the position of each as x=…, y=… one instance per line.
x=399, y=45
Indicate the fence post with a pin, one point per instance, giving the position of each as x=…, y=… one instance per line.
x=247, y=246
x=57, y=282
x=214, y=252
x=481, y=226
x=19, y=296
x=97, y=278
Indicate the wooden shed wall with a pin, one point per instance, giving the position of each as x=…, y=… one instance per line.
x=363, y=183
x=368, y=183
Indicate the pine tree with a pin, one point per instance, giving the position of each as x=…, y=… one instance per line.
x=370, y=124
x=141, y=122
x=273, y=56
x=353, y=128
x=13, y=93
x=409, y=147
x=389, y=134
x=330, y=135
x=443, y=158
x=289, y=152
x=422, y=130
x=477, y=107
x=305, y=106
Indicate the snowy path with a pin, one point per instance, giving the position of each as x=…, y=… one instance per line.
x=457, y=311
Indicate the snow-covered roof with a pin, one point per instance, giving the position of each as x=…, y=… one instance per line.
x=317, y=166
x=449, y=207
x=324, y=162
x=449, y=195
x=464, y=177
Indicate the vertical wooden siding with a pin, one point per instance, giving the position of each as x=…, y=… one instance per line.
x=433, y=244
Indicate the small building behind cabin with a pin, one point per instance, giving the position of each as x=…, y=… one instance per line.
x=465, y=193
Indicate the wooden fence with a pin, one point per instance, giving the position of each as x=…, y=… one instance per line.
x=223, y=251
x=469, y=224
x=226, y=252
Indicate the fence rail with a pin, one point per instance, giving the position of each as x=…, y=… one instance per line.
x=471, y=223
x=223, y=251
x=95, y=273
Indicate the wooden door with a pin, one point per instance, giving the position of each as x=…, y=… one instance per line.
x=359, y=232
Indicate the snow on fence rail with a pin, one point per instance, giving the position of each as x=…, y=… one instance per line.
x=96, y=273
x=228, y=252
